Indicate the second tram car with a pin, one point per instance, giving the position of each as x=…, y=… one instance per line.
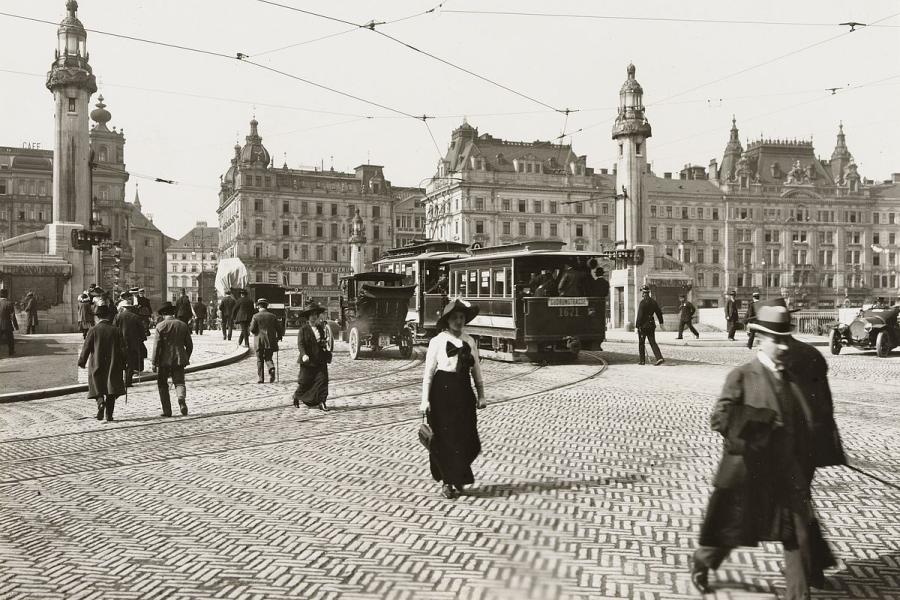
x=420, y=262
x=534, y=299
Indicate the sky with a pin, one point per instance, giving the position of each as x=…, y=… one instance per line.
x=183, y=111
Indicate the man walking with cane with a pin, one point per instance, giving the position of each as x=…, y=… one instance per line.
x=646, y=326
x=268, y=331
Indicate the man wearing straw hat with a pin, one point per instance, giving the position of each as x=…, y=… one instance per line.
x=776, y=417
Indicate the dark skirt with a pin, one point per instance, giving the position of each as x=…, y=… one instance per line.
x=312, y=385
x=452, y=418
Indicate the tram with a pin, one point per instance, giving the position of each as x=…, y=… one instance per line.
x=535, y=300
x=420, y=262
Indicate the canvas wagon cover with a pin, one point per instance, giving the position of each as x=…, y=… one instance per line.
x=231, y=274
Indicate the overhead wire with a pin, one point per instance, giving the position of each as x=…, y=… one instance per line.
x=657, y=19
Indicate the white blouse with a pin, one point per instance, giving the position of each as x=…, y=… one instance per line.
x=436, y=359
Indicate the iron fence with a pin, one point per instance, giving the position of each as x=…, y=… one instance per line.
x=815, y=322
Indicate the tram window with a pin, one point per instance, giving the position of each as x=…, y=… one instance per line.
x=472, y=284
x=484, y=289
x=459, y=282
x=499, y=283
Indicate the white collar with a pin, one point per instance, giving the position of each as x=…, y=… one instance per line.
x=768, y=363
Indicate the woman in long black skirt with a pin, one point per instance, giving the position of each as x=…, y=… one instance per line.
x=314, y=345
x=449, y=402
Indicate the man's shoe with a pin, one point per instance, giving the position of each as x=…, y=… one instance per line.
x=166, y=415
x=659, y=361
x=260, y=381
x=323, y=408
x=183, y=406
x=679, y=338
x=448, y=492
x=100, y=412
x=642, y=363
x=700, y=578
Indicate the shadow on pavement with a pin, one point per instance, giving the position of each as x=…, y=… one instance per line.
x=500, y=490
x=867, y=578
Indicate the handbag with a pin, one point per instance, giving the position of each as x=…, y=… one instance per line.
x=425, y=433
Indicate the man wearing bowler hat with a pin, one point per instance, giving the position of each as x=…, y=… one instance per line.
x=103, y=355
x=171, y=354
x=268, y=331
x=731, y=314
x=749, y=317
x=776, y=417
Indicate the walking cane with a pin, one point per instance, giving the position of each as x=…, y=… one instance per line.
x=277, y=376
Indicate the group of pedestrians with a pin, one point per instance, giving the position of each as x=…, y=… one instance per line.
x=9, y=323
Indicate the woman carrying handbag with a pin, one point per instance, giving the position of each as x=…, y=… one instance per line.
x=449, y=402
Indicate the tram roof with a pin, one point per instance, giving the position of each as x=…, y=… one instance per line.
x=374, y=276
x=418, y=247
x=437, y=256
x=534, y=248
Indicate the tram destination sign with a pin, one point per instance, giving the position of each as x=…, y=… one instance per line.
x=633, y=256
x=567, y=301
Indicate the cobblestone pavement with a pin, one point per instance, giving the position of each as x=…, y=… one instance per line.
x=592, y=484
x=51, y=360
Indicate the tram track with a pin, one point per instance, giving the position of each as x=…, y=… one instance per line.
x=351, y=427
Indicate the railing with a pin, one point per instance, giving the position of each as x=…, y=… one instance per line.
x=664, y=263
x=815, y=322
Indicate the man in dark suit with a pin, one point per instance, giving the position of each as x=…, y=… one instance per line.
x=199, y=310
x=103, y=354
x=268, y=331
x=646, y=326
x=776, y=416
x=133, y=333
x=145, y=309
x=731, y=314
x=8, y=321
x=171, y=354
x=686, y=311
x=183, y=310
x=29, y=305
x=749, y=317
x=226, y=311
x=243, y=312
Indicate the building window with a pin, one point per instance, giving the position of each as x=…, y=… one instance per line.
x=258, y=227
x=71, y=105
x=604, y=209
x=376, y=212
x=579, y=230
x=504, y=204
x=538, y=206
x=715, y=256
x=715, y=234
x=700, y=256
x=668, y=234
x=715, y=214
x=320, y=230
x=506, y=227
x=685, y=235
x=258, y=181
x=552, y=207
x=554, y=229
x=479, y=226
x=334, y=254
x=684, y=212
x=376, y=232
x=604, y=232
x=334, y=210
x=653, y=233
x=257, y=251
x=479, y=203
x=258, y=205
x=304, y=278
x=334, y=231
x=304, y=252
x=637, y=148
x=319, y=208
x=320, y=252
x=285, y=252
x=652, y=210
x=523, y=228
x=579, y=208
x=285, y=228
x=715, y=279
x=521, y=206
x=285, y=206
x=538, y=229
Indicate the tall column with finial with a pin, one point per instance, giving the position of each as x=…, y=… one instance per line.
x=72, y=83
x=357, y=243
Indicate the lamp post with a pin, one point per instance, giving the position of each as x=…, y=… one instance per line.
x=765, y=281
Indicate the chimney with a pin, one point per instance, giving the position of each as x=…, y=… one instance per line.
x=605, y=172
x=667, y=175
x=201, y=223
x=895, y=177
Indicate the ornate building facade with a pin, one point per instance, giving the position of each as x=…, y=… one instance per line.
x=188, y=258
x=292, y=226
x=491, y=191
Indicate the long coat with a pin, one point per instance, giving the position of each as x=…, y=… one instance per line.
x=8, y=321
x=173, y=345
x=731, y=310
x=644, y=318
x=103, y=353
x=686, y=311
x=750, y=315
x=183, y=308
x=199, y=310
x=775, y=435
x=134, y=334
x=85, y=315
x=243, y=310
x=268, y=330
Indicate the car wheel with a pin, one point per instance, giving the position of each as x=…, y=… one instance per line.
x=882, y=344
x=835, y=342
x=353, y=340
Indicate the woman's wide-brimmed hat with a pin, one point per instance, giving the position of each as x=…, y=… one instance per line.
x=773, y=320
x=457, y=304
x=166, y=309
x=312, y=308
x=84, y=298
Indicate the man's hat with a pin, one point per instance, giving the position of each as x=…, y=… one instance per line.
x=732, y=293
x=262, y=302
x=457, y=305
x=105, y=311
x=124, y=295
x=166, y=309
x=756, y=294
x=312, y=308
x=645, y=288
x=134, y=290
x=773, y=320
x=228, y=293
x=140, y=290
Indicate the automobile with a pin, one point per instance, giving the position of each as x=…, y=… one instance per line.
x=373, y=312
x=873, y=328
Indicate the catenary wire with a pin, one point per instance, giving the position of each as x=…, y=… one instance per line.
x=657, y=19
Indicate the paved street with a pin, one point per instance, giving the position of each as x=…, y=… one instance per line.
x=592, y=484
x=51, y=359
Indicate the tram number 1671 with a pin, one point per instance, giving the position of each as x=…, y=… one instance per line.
x=568, y=307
